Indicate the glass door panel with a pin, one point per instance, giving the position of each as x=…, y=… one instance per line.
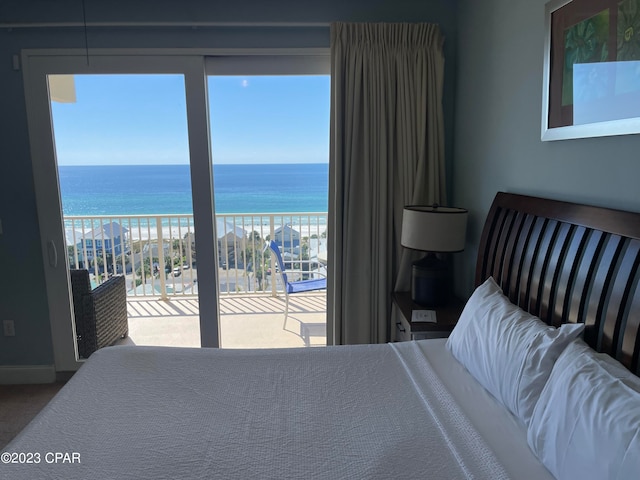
x=122, y=154
x=120, y=148
x=270, y=149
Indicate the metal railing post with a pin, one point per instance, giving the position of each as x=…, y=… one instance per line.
x=161, y=265
x=272, y=230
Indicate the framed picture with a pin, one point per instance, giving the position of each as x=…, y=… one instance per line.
x=591, y=69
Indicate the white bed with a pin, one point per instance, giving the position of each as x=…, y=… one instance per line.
x=380, y=411
x=405, y=410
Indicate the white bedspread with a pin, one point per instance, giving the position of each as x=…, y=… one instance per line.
x=374, y=411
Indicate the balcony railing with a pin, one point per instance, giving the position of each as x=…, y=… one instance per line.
x=158, y=253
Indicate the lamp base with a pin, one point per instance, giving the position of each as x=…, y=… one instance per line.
x=430, y=281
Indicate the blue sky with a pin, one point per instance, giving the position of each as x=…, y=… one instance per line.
x=142, y=120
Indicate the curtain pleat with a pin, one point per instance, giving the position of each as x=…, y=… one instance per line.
x=386, y=151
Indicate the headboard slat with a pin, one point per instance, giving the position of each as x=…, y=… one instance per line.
x=600, y=292
x=505, y=233
x=490, y=243
x=576, y=241
x=540, y=264
x=624, y=280
x=550, y=285
x=511, y=252
x=566, y=262
x=512, y=289
x=495, y=241
x=530, y=252
x=630, y=353
x=594, y=243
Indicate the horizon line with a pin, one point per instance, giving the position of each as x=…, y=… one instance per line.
x=186, y=164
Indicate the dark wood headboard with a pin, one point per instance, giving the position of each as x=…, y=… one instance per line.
x=566, y=262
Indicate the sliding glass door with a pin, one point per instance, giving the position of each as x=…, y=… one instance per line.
x=120, y=147
x=99, y=128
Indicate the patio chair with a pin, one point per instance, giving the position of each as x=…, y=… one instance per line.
x=100, y=313
x=298, y=286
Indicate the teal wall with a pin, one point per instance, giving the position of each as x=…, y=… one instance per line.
x=497, y=126
x=22, y=287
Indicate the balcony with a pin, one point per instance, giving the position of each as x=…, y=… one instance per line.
x=246, y=321
x=158, y=256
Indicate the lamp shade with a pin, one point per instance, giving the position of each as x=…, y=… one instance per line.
x=434, y=228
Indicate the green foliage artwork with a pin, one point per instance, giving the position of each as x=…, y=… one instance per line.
x=628, y=31
x=593, y=65
x=584, y=42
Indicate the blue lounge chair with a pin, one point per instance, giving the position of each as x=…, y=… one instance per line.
x=297, y=286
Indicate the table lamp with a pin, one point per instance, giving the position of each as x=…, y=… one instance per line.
x=432, y=229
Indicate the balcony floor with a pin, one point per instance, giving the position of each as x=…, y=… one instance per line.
x=246, y=321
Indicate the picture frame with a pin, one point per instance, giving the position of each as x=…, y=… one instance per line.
x=591, y=69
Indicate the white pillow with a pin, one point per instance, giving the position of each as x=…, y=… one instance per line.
x=586, y=424
x=509, y=351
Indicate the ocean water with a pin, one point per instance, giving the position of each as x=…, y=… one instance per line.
x=166, y=189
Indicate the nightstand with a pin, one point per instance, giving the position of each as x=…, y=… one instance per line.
x=446, y=316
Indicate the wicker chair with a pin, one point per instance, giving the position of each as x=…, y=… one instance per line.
x=100, y=314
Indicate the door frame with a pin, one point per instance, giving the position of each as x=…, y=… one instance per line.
x=192, y=63
x=36, y=66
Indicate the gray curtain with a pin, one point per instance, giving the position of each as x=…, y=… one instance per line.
x=386, y=151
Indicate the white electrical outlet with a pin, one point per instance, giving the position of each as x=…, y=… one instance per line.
x=9, y=328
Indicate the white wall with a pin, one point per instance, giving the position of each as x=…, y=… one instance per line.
x=497, y=126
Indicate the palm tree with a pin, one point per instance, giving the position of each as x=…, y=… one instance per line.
x=71, y=256
x=254, y=257
x=120, y=258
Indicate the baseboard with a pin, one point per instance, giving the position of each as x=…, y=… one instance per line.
x=23, y=374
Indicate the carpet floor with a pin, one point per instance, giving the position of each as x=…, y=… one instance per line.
x=19, y=404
